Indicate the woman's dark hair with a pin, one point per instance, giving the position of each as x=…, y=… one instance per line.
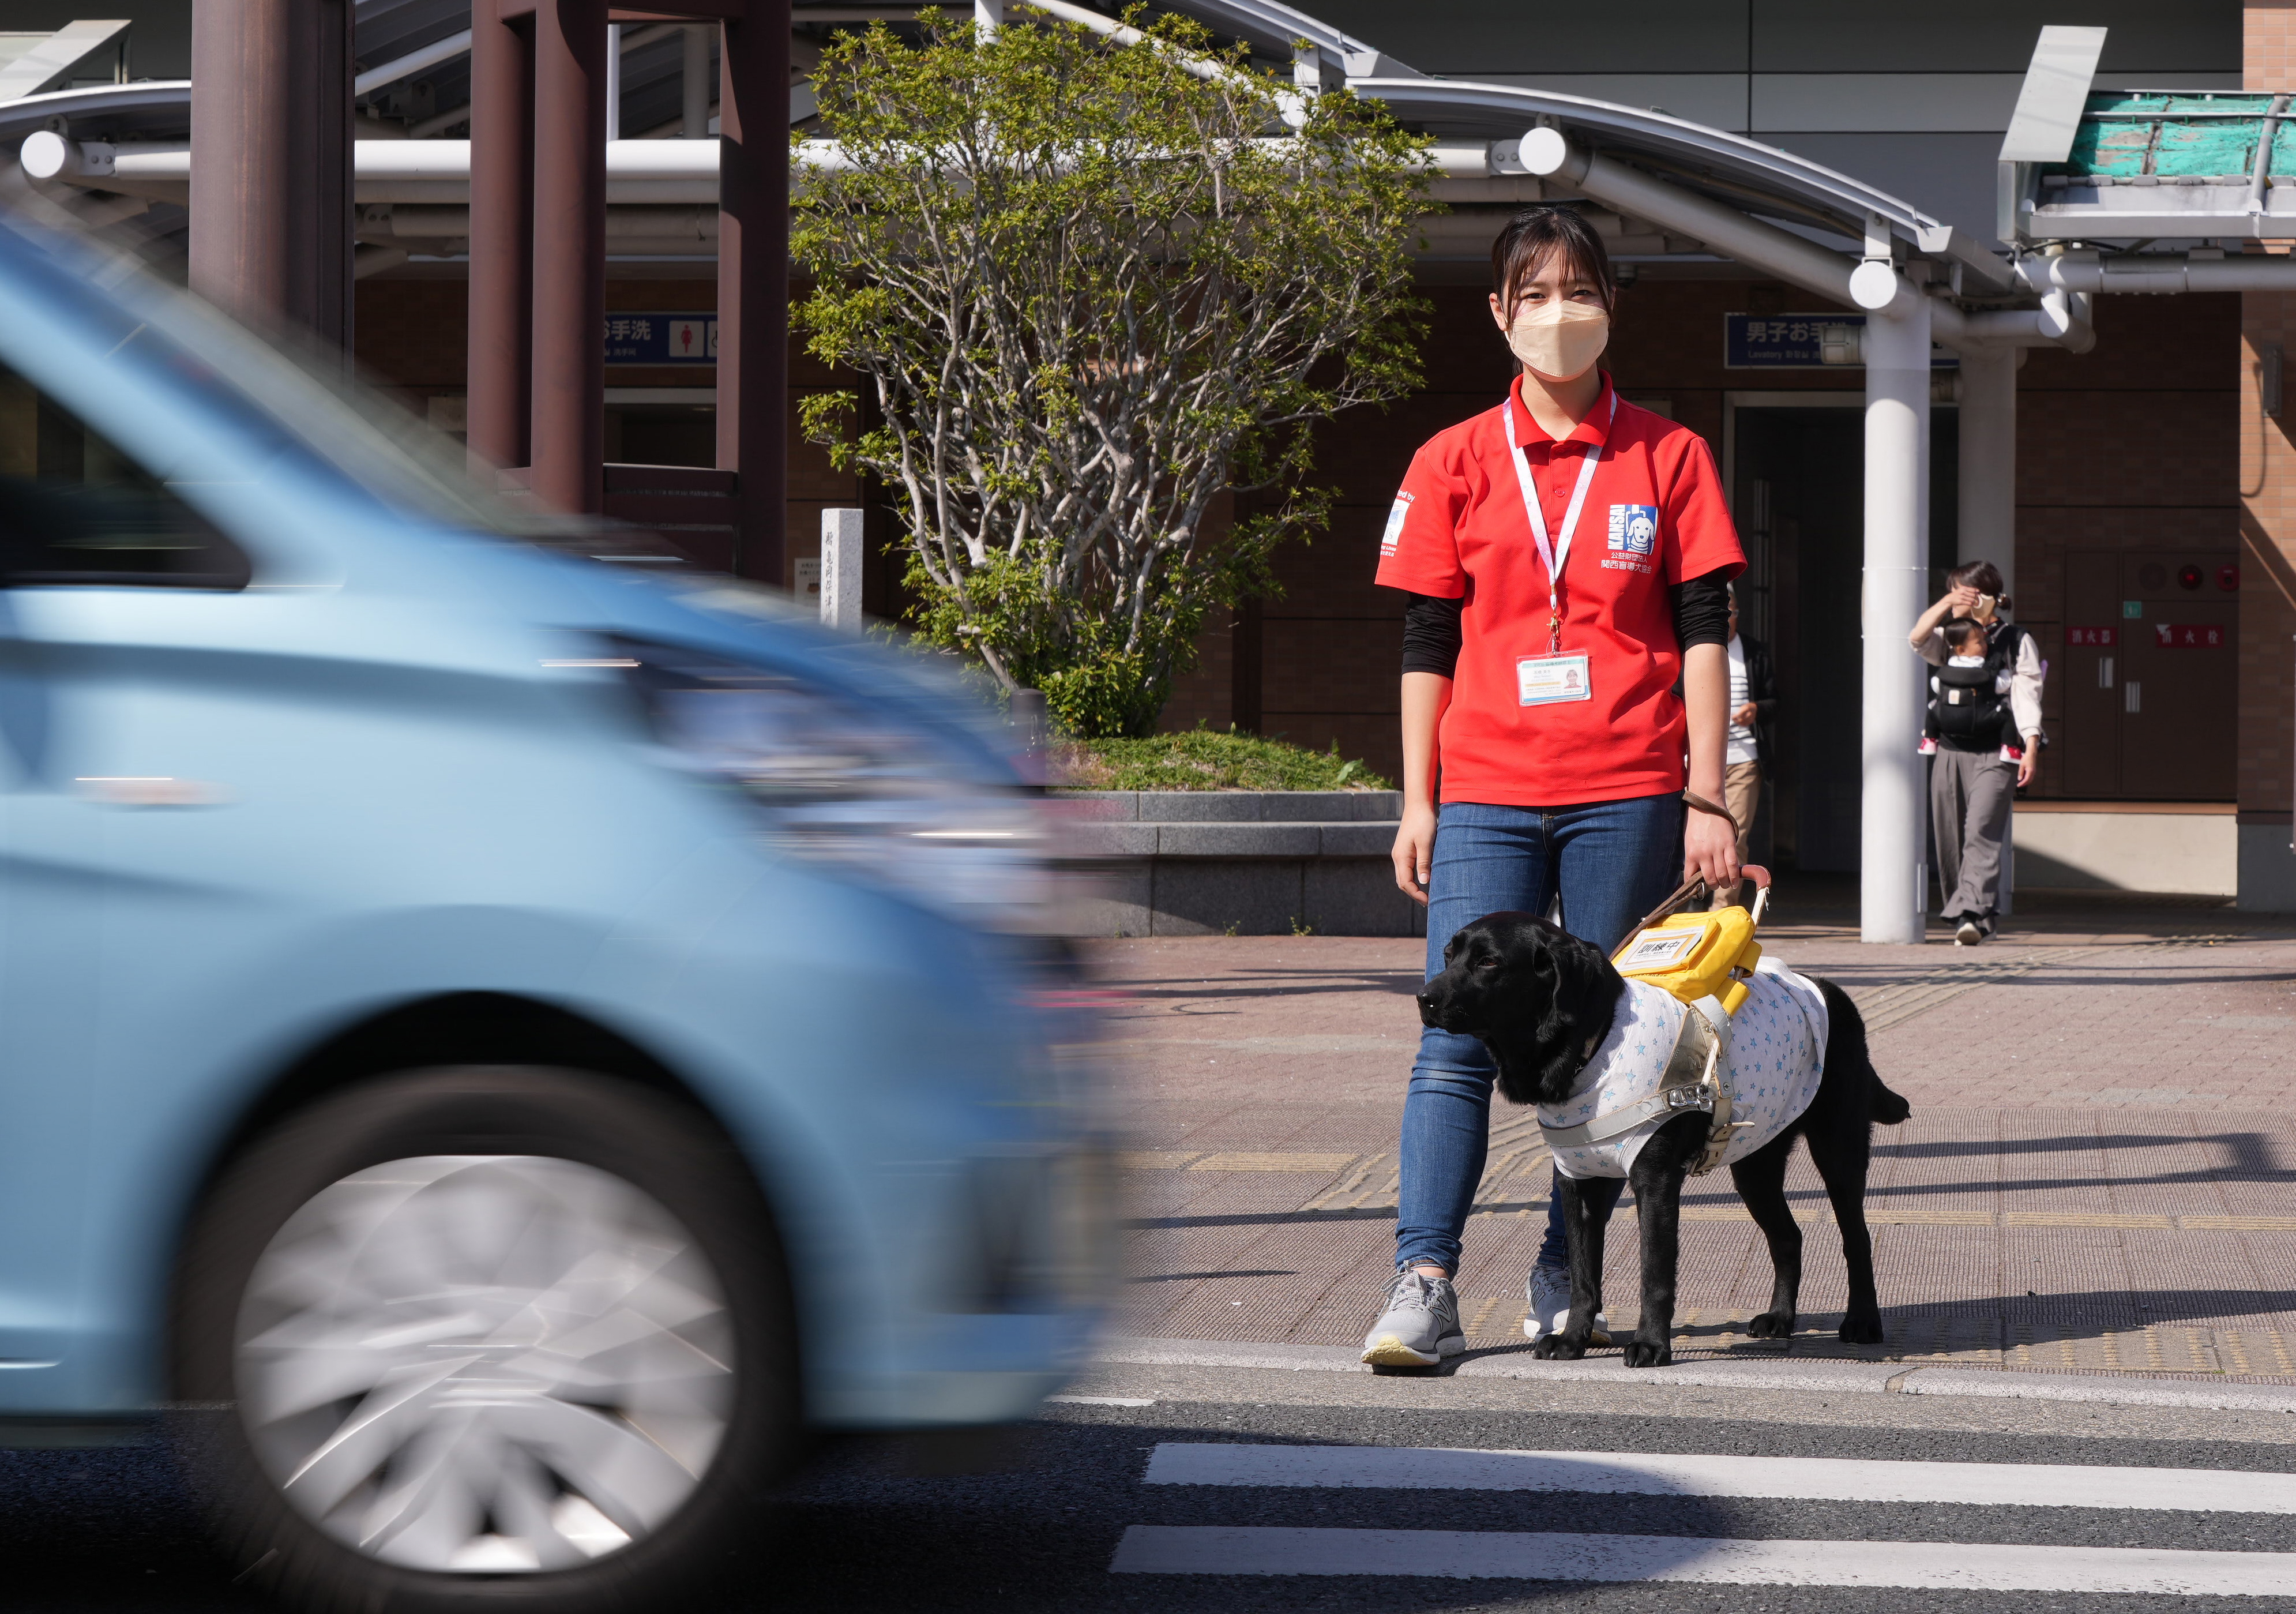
x=1983, y=576
x=1534, y=235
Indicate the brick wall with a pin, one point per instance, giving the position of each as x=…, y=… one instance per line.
x=413, y=336
x=2268, y=45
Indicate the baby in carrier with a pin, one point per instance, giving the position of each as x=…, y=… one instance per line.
x=1966, y=701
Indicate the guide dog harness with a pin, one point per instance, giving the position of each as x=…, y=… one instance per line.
x=1706, y=1023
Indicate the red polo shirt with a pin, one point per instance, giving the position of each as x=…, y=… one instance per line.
x=1654, y=515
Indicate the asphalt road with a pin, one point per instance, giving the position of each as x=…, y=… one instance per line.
x=101, y=1531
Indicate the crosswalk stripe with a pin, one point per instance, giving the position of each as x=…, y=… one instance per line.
x=1667, y=1474
x=1542, y=1555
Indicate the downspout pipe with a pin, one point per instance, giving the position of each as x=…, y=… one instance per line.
x=2087, y=273
x=2261, y=177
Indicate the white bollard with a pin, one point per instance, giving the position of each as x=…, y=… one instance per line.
x=840, y=569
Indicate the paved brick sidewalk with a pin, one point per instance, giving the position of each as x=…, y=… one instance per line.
x=2097, y=1176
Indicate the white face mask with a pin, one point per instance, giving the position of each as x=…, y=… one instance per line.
x=1560, y=341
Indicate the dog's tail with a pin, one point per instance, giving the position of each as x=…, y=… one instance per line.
x=1888, y=1108
x=1846, y=1040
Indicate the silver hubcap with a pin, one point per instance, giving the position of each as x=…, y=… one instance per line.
x=485, y=1362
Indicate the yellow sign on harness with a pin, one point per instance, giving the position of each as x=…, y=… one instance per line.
x=1698, y=954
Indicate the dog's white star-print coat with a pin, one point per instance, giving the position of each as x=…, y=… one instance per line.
x=1777, y=1053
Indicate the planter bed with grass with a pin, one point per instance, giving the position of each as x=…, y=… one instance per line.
x=1210, y=834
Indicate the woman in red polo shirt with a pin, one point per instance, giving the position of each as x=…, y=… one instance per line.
x=1565, y=555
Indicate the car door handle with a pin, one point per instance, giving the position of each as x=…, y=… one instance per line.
x=150, y=791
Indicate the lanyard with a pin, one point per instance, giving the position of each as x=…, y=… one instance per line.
x=1557, y=555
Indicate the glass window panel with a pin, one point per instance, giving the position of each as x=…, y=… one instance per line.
x=76, y=510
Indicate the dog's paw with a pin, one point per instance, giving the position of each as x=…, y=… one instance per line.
x=1558, y=1348
x=1857, y=1329
x=1774, y=1325
x=1649, y=1353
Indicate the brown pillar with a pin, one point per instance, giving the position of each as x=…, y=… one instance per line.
x=753, y=280
x=570, y=254
x=271, y=163
x=502, y=221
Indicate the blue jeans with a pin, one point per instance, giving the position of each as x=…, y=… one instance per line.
x=1611, y=862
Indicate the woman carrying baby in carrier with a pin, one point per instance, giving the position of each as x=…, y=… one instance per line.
x=1565, y=555
x=1984, y=735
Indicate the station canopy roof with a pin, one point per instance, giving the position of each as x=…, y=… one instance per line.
x=1802, y=195
x=2170, y=167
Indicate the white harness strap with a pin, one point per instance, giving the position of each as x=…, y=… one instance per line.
x=1696, y=1077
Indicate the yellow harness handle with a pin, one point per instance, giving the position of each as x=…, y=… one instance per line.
x=1695, y=887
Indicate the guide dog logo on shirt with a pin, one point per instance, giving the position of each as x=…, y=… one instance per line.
x=1634, y=529
x=1395, y=519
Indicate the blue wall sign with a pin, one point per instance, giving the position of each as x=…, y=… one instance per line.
x=1797, y=341
x=661, y=339
x=1779, y=341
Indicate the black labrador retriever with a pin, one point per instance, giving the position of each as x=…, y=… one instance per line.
x=1541, y=1001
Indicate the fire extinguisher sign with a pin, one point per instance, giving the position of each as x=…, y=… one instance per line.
x=661, y=339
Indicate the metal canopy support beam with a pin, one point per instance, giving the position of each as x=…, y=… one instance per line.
x=570, y=254
x=499, y=220
x=270, y=164
x=1892, y=880
x=693, y=86
x=753, y=57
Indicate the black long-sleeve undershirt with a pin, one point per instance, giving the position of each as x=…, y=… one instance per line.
x=1432, y=633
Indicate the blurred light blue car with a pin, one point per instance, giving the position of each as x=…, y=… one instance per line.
x=508, y=1034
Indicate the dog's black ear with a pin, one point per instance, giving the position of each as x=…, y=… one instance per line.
x=1581, y=992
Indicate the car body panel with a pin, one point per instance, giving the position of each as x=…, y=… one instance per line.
x=379, y=791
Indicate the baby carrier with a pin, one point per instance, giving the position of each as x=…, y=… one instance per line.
x=1969, y=706
x=1707, y=1023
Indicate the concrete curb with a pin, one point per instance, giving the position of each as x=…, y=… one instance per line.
x=1230, y=806
x=1837, y=1378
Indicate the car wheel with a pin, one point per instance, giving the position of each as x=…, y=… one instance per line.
x=458, y=1338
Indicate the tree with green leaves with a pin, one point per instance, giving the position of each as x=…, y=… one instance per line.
x=1093, y=281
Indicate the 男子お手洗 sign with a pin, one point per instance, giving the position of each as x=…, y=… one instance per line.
x=1802, y=342
x=661, y=339
x=2189, y=636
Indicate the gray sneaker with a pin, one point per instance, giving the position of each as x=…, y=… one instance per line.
x=1420, y=1326
x=1546, y=1293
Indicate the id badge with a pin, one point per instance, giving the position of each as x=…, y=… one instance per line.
x=1543, y=680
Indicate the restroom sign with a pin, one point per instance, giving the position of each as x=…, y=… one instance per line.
x=1801, y=342
x=2187, y=635
x=672, y=338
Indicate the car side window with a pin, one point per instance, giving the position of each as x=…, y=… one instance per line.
x=76, y=510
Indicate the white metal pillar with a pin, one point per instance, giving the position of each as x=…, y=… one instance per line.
x=1988, y=495
x=1989, y=459
x=614, y=81
x=1890, y=899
